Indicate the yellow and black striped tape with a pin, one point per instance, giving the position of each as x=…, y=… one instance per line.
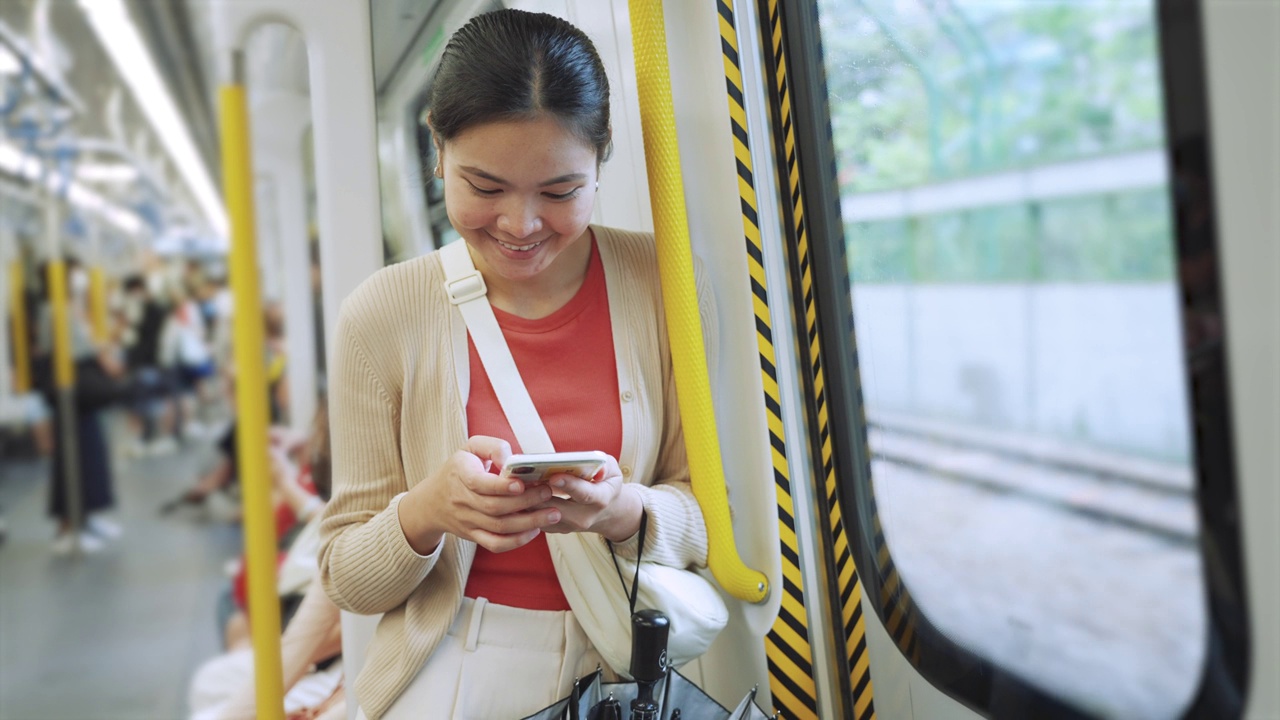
x=895, y=601
x=856, y=659
x=787, y=648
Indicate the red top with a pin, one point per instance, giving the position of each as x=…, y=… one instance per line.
x=567, y=363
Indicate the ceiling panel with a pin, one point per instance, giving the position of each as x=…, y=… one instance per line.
x=395, y=25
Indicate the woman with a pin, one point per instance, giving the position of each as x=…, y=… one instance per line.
x=420, y=527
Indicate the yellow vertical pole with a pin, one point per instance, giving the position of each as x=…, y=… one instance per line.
x=64, y=370
x=98, y=304
x=18, y=327
x=251, y=398
x=64, y=374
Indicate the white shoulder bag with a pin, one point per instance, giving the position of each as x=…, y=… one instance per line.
x=585, y=564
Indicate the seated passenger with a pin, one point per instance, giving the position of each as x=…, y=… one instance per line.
x=224, y=686
x=298, y=494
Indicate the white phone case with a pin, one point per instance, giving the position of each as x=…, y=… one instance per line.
x=535, y=469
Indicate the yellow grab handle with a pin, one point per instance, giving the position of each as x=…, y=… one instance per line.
x=64, y=370
x=18, y=329
x=680, y=298
x=98, y=304
x=251, y=405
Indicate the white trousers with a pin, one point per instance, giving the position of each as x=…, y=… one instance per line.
x=498, y=663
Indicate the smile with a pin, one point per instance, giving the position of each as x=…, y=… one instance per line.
x=519, y=248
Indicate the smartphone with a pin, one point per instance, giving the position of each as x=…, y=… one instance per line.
x=535, y=469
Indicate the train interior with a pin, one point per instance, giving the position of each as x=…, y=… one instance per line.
x=994, y=367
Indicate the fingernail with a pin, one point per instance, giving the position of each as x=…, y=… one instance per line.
x=553, y=516
x=558, y=482
x=515, y=487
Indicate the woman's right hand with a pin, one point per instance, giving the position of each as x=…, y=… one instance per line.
x=464, y=499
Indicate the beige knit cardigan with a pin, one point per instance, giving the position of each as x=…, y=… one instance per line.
x=398, y=389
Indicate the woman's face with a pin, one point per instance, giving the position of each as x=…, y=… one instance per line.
x=520, y=193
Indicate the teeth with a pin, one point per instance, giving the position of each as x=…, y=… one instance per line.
x=519, y=248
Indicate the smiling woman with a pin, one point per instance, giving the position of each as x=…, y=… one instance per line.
x=430, y=535
x=525, y=222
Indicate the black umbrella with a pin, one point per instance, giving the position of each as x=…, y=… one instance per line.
x=657, y=693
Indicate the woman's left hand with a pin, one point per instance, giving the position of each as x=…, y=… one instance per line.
x=604, y=504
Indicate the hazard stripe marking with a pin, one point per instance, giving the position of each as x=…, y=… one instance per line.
x=857, y=661
x=787, y=645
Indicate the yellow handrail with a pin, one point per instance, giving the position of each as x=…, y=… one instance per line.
x=18, y=328
x=64, y=370
x=251, y=401
x=680, y=298
x=98, y=304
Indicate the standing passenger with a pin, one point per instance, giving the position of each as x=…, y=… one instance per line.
x=147, y=318
x=96, y=367
x=420, y=527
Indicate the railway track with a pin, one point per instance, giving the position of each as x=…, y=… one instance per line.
x=1145, y=496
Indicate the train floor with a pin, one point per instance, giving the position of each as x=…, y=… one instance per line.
x=115, y=634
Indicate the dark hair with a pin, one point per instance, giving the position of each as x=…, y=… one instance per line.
x=515, y=65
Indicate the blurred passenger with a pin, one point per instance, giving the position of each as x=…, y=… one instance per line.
x=223, y=307
x=297, y=498
x=215, y=308
x=96, y=367
x=223, y=687
x=145, y=318
x=223, y=473
x=184, y=346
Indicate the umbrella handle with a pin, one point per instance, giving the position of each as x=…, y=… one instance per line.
x=649, y=631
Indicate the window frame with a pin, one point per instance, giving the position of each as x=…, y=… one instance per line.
x=977, y=682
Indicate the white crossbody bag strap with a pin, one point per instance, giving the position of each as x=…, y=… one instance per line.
x=584, y=565
x=467, y=291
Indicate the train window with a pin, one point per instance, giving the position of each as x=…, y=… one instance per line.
x=408, y=39
x=442, y=231
x=1005, y=190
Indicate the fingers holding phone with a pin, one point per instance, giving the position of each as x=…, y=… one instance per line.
x=602, y=504
x=466, y=499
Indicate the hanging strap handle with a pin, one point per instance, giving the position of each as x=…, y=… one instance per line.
x=468, y=292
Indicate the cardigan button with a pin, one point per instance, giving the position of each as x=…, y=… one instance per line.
x=626, y=471
x=627, y=396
